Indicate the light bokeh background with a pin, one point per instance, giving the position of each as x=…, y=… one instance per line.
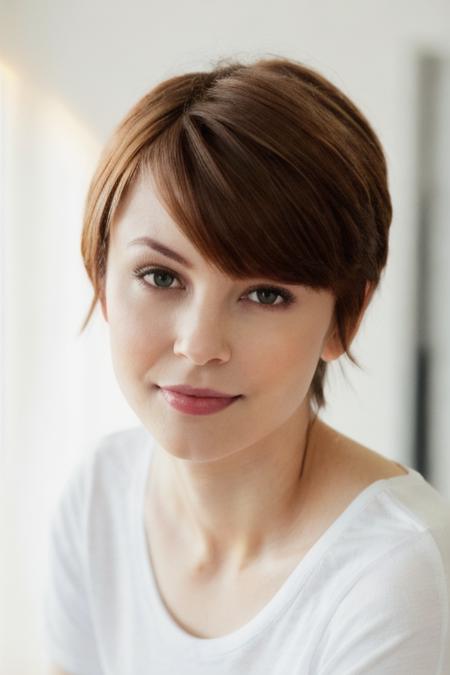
x=68, y=73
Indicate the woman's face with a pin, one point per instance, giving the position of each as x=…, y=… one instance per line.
x=177, y=323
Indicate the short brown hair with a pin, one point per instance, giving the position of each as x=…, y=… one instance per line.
x=268, y=168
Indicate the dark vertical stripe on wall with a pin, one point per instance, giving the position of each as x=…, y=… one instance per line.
x=427, y=80
x=421, y=445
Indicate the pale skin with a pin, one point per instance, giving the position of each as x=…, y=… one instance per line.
x=228, y=515
x=231, y=475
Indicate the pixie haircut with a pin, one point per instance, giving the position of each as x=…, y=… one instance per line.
x=268, y=169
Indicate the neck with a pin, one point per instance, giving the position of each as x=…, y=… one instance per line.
x=230, y=511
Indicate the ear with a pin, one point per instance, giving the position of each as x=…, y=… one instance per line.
x=333, y=348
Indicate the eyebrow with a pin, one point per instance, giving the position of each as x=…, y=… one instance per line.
x=160, y=248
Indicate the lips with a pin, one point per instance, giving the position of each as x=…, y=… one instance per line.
x=187, y=390
x=194, y=404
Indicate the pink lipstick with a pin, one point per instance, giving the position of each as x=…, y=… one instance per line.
x=197, y=401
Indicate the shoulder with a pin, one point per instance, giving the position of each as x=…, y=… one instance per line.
x=393, y=612
x=387, y=573
x=106, y=468
x=352, y=461
x=116, y=455
x=397, y=523
x=382, y=496
x=409, y=572
x=340, y=469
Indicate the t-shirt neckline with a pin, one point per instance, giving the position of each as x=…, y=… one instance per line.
x=172, y=632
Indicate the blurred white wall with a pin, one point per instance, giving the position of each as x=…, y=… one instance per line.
x=439, y=283
x=70, y=71
x=46, y=160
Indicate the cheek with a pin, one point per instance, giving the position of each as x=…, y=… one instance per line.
x=284, y=362
x=292, y=348
x=138, y=334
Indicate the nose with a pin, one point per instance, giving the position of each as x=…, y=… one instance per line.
x=201, y=336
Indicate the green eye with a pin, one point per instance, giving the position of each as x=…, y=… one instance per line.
x=161, y=277
x=267, y=295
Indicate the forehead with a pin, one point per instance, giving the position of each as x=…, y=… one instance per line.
x=141, y=212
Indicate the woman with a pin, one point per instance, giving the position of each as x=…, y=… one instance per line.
x=235, y=231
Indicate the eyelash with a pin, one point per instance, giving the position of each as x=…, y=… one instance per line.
x=141, y=272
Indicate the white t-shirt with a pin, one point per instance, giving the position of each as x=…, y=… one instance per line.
x=371, y=597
